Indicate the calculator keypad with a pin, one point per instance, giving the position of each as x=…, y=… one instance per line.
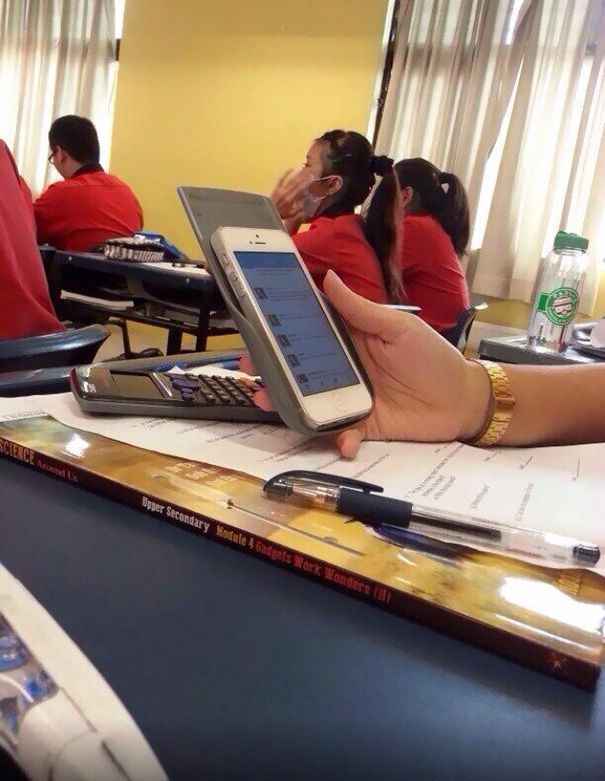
x=214, y=390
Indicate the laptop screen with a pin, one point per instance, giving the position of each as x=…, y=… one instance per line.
x=210, y=208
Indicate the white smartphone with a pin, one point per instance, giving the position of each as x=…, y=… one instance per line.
x=308, y=367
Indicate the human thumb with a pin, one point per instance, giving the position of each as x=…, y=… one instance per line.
x=358, y=312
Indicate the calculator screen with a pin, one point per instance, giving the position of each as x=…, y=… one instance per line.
x=136, y=386
x=297, y=321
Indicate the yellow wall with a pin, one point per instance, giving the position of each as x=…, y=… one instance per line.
x=512, y=314
x=515, y=314
x=230, y=92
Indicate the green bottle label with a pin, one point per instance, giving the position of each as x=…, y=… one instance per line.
x=560, y=305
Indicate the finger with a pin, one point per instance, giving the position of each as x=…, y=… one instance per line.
x=295, y=207
x=297, y=182
x=300, y=216
x=262, y=400
x=246, y=365
x=362, y=314
x=261, y=397
x=284, y=178
x=348, y=442
x=289, y=210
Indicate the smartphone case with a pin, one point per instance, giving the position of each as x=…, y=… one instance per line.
x=278, y=384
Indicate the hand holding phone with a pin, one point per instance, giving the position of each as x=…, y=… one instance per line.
x=307, y=363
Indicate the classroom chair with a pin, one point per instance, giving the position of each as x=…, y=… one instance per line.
x=41, y=364
x=458, y=334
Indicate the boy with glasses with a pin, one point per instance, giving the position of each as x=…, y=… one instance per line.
x=89, y=205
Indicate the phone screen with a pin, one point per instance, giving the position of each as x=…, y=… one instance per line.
x=297, y=321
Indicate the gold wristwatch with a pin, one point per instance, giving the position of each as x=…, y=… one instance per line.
x=501, y=408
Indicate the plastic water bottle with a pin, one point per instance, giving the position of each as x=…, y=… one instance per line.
x=560, y=285
x=13, y=653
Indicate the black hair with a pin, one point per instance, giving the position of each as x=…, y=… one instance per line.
x=77, y=136
x=350, y=156
x=449, y=207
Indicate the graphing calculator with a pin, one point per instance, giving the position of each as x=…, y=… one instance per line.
x=99, y=389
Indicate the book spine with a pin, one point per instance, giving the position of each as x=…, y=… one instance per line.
x=579, y=672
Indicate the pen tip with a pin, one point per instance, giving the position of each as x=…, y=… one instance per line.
x=278, y=490
x=587, y=554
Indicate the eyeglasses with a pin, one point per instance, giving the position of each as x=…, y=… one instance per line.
x=51, y=155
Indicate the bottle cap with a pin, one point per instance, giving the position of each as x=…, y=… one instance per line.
x=570, y=241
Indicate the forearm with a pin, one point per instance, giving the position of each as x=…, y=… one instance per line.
x=555, y=405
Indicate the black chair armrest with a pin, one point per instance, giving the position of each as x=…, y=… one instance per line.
x=412, y=308
x=35, y=382
x=79, y=345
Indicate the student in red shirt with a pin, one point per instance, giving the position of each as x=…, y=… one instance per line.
x=90, y=205
x=435, y=236
x=339, y=173
x=25, y=307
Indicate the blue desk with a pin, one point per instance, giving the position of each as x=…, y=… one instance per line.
x=237, y=670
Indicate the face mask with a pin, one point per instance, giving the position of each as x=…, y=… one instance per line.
x=310, y=202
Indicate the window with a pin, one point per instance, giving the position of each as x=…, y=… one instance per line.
x=56, y=58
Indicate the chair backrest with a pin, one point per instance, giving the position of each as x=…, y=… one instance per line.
x=458, y=334
x=66, y=348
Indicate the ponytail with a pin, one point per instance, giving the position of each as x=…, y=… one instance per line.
x=454, y=215
x=382, y=229
x=350, y=155
x=440, y=194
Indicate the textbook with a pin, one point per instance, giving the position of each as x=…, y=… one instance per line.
x=546, y=618
x=531, y=488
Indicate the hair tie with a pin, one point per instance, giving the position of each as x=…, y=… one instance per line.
x=445, y=180
x=380, y=164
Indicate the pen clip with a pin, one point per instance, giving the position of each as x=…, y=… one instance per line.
x=340, y=482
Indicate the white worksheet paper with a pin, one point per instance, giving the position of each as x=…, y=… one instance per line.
x=556, y=489
x=19, y=408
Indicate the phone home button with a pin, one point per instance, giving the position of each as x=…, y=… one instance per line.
x=339, y=403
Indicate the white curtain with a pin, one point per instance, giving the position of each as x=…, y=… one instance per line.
x=56, y=57
x=549, y=150
x=451, y=81
x=510, y=96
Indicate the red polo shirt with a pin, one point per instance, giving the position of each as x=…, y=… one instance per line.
x=339, y=243
x=25, y=307
x=81, y=212
x=432, y=275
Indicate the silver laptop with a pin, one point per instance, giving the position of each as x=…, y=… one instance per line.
x=209, y=208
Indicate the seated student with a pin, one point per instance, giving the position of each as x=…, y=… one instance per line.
x=426, y=391
x=434, y=238
x=90, y=205
x=338, y=176
x=25, y=307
